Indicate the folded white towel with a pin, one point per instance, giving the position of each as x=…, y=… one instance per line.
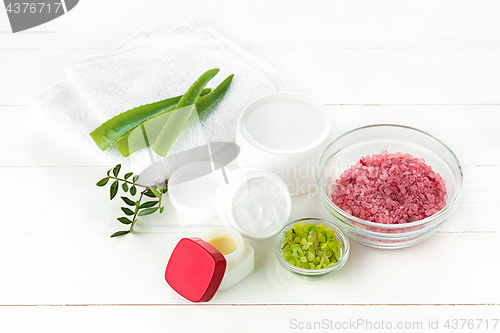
x=66, y=106
x=148, y=68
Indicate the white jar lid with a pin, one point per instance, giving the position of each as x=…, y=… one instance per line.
x=285, y=123
x=285, y=133
x=192, y=189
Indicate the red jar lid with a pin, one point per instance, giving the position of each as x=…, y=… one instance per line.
x=195, y=269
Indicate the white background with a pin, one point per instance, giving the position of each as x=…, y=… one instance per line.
x=433, y=65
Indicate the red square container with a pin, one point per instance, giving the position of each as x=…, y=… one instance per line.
x=195, y=269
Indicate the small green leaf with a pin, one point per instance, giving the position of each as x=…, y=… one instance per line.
x=165, y=188
x=155, y=192
x=124, y=220
x=125, y=187
x=148, y=204
x=147, y=211
x=127, y=211
x=113, y=190
x=150, y=194
x=102, y=182
x=120, y=233
x=116, y=170
x=162, y=209
x=128, y=201
x=133, y=190
x=109, y=171
x=135, y=178
x=128, y=175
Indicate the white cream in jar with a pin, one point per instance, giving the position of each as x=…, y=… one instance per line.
x=256, y=202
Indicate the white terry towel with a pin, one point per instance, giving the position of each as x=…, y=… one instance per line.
x=150, y=67
x=66, y=107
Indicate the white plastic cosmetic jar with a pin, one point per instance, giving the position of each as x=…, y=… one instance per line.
x=284, y=133
x=240, y=262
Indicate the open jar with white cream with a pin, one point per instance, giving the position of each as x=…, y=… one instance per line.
x=256, y=202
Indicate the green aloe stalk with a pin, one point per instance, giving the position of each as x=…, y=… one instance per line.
x=113, y=129
x=134, y=140
x=181, y=114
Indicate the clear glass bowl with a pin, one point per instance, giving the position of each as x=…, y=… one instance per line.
x=346, y=151
x=313, y=274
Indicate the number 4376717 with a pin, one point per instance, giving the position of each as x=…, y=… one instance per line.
x=33, y=7
x=462, y=324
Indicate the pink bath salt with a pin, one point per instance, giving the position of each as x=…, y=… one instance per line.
x=390, y=189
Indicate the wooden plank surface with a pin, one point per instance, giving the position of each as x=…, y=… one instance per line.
x=471, y=131
x=83, y=268
x=247, y=318
x=275, y=24
x=334, y=76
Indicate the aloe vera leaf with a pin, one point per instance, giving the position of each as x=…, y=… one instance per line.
x=113, y=129
x=182, y=114
x=172, y=128
x=193, y=93
x=134, y=141
x=206, y=102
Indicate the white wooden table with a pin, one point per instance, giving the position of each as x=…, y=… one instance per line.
x=430, y=64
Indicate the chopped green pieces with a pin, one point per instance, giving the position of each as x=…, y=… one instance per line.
x=311, y=246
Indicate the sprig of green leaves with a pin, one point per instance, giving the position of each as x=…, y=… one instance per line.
x=137, y=207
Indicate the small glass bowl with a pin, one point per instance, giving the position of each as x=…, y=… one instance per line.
x=313, y=274
x=347, y=150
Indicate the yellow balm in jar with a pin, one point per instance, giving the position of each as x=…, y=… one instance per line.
x=238, y=253
x=225, y=245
